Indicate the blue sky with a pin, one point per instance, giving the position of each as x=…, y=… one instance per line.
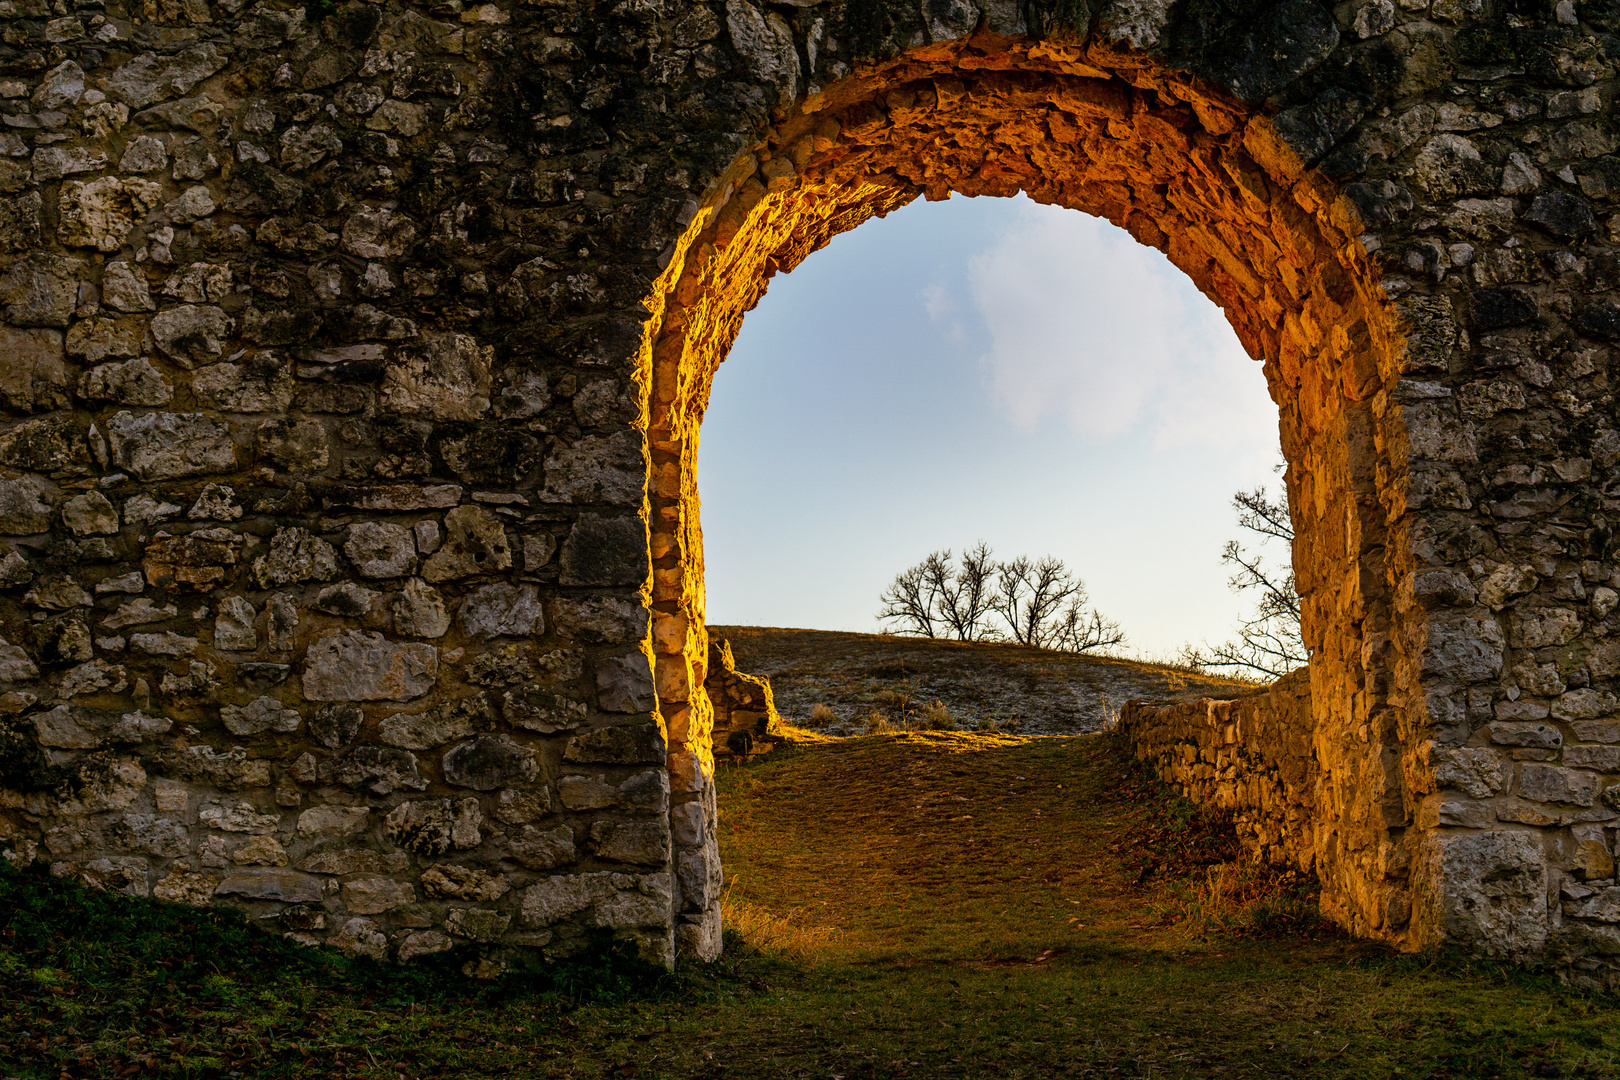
x=982, y=368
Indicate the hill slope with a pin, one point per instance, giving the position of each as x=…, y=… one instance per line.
x=981, y=685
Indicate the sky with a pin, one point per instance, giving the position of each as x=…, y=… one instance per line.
x=983, y=369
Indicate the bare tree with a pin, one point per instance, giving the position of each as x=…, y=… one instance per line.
x=911, y=597
x=964, y=600
x=1082, y=631
x=1041, y=603
x=1268, y=642
x=1029, y=594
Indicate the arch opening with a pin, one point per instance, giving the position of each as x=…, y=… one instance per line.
x=1183, y=169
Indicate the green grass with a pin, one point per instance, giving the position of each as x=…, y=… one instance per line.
x=912, y=905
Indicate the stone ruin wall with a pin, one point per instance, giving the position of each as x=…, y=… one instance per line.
x=745, y=718
x=1254, y=756
x=353, y=357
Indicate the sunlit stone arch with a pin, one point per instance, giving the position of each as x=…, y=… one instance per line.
x=1185, y=169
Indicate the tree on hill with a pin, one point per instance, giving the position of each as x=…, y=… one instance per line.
x=1268, y=642
x=1039, y=603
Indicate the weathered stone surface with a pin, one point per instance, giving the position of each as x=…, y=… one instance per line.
x=197, y=561
x=260, y=851
x=624, y=684
x=165, y=446
x=488, y=763
x=331, y=822
x=1551, y=783
x=375, y=895
x=153, y=77
x=435, y=826
x=1487, y=889
x=182, y=886
x=238, y=817
x=352, y=665
x=233, y=626
x=90, y=514
x=25, y=505
x=335, y=726
x=422, y=943
x=101, y=213
x=355, y=861
x=626, y=744
x=295, y=555
x=380, y=549
x=610, y=469
x=190, y=334
x=447, y=881
x=475, y=543
x=345, y=598
x=260, y=715
x=376, y=769
x=133, y=382
x=419, y=611
x=617, y=900
x=295, y=443
x=425, y=730
x=360, y=937
x=40, y=291
x=642, y=842
x=478, y=924
x=444, y=377
x=33, y=374
x=502, y=610
x=605, y=551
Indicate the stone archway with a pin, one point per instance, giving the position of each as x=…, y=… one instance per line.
x=350, y=367
x=1185, y=168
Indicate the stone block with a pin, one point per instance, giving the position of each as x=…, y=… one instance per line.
x=1553, y=783
x=283, y=886
x=353, y=665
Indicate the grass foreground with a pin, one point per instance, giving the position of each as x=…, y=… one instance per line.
x=924, y=904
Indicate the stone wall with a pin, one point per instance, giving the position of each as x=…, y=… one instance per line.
x=1254, y=756
x=745, y=717
x=353, y=359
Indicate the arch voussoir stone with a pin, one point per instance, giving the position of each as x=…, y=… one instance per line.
x=353, y=367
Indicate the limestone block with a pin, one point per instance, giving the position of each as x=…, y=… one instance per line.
x=26, y=504
x=502, y=610
x=445, y=376
x=335, y=726
x=422, y=943
x=233, y=626
x=238, y=817
x=352, y=665
x=543, y=849
x=295, y=443
x=183, y=886
x=360, y=937
x=434, y=826
x=166, y=446
x=1506, y=733
x=154, y=77
x=624, y=684
x=419, y=610
x=380, y=549
x=488, y=763
x=642, y=842
x=260, y=715
x=332, y=822
x=1552, y=783
x=355, y=861
x=295, y=555
x=610, y=469
x=191, y=334
x=476, y=543
x=478, y=924
x=346, y=598
x=100, y=213
x=33, y=372
x=260, y=851
x=447, y=881
x=377, y=769
x=375, y=895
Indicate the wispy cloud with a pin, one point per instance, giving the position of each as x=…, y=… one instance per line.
x=1091, y=328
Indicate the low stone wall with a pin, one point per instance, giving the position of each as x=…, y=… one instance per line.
x=745, y=717
x=1252, y=755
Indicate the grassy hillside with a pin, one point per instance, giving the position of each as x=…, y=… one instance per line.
x=858, y=678
x=903, y=905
